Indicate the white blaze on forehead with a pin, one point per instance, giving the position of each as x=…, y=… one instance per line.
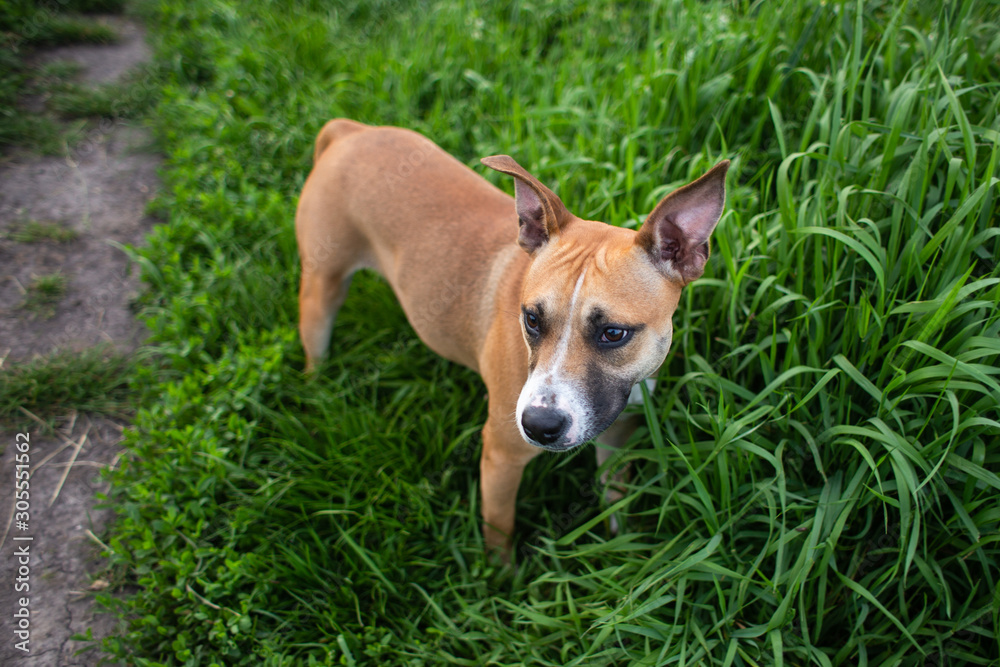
x=563, y=345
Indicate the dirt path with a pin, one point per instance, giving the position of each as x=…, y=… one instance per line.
x=100, y=190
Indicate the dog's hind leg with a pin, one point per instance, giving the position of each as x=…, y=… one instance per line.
x=321, y=294
x=330, y=247
x=331, y=251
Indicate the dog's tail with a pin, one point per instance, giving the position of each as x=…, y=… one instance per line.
x=332, y=131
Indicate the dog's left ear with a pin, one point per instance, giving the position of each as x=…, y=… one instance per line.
x=676, y=233
x=540, y=213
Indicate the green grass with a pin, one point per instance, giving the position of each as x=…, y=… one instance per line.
x=129, y=98
x=94, y=380
x=18, y=128
x=36, y=231
x=43, y=292
x=50, y=29
x=820, y=480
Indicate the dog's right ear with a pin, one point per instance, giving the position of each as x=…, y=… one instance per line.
x=540, y=213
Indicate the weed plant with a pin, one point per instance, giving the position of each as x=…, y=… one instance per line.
x=94, y=380
x=43, y=293
x=36, y=231
x=819, y=481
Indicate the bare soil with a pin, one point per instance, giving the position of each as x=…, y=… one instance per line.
x=100, y=189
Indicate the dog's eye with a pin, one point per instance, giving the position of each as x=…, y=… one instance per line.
x=613, y=336
x=531, y=323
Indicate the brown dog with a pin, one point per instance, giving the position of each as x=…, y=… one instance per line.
x=561, y=317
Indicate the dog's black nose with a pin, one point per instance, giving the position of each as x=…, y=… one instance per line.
x=543, y=425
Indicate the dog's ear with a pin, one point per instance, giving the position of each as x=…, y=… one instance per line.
x=540, y=213
x=676, y=233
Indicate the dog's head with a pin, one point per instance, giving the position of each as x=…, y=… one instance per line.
x=597, y=301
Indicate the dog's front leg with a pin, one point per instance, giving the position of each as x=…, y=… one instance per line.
x=608, y=445
x=505, y=454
